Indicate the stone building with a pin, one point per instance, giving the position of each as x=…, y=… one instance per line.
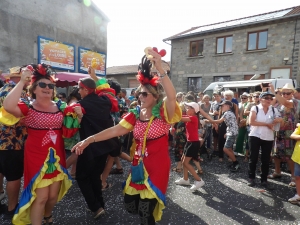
x=265, y=44
x=70, y=21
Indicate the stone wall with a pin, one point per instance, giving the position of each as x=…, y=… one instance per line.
x=67, y=21
x=238, y=63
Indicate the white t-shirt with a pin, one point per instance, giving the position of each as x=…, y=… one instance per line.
x=263, y=132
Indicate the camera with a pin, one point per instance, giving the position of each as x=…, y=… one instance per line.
x=265, y=84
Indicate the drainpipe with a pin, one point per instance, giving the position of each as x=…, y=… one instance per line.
x=170, y=61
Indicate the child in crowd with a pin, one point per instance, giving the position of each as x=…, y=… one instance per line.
x=192, y=146
x=296, y=159
x=201, y=133
x=231, y=132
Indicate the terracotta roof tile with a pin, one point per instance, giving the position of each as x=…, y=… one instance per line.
x=296, y=10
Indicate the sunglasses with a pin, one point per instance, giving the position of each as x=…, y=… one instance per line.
x=286, y=93
x=256, y=96
x=268, y=98
x=243, y=98
x=144, y=94
x=44, y=85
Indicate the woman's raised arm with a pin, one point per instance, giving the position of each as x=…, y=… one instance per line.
x=166, y=83
x=10, y=103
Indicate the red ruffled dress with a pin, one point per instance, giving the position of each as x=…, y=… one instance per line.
x=44, y=157
x=156, y=156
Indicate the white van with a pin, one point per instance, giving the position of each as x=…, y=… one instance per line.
x=250, y=86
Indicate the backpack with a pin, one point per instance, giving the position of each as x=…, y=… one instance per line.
x=272, y=110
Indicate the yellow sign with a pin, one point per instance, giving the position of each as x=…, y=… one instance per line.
x=95, y=59
x=56, y=54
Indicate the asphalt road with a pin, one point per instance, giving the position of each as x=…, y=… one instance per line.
x=225, y=199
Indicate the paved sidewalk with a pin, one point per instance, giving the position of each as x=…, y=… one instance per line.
x=225, y=199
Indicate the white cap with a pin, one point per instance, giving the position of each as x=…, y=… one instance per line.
x=194, y=105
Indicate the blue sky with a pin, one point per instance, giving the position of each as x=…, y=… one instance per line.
x=136, y=24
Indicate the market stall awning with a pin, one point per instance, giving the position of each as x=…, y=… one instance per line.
x=66, y=79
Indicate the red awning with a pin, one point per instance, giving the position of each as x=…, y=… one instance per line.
x=66, y=79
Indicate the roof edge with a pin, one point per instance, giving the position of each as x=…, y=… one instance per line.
x=193, y=28
x=174, y=37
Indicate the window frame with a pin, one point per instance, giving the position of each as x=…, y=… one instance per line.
x=224, y=46
x=197, y=48
x=257, y=39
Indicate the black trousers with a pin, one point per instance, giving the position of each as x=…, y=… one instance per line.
x=144, y=207
x=221, y=139
x=266, y=147
x=88, y=178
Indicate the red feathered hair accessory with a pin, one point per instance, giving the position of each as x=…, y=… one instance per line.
x=40, y=71
x=144, y=73
x=146, y=80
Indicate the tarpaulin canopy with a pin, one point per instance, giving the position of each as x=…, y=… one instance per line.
x=66, y=79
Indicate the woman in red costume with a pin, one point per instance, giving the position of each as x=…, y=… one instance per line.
x=150, y=124
x=46, y=180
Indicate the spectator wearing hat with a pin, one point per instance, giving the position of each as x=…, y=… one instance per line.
x=214, y=112
x=228, y=95
x=242, y=125
x=192, y=145
x=12, y=138
x=263, y=117
x=290, y=114
x=231, y=132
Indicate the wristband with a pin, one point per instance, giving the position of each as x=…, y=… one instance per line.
x=161, y=76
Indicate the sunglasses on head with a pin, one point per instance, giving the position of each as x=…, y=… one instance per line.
x=44, y=85
x=268, y=98
x=144, y=93
x=286, y=93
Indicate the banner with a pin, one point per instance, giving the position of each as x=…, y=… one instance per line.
x=56, y=54
x=85, y=60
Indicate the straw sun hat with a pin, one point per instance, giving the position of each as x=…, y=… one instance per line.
x=287, y=86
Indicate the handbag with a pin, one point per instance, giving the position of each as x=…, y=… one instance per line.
x=137, y=172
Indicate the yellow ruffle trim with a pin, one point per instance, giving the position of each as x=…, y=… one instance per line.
x=177, y=114
x=146, y=193
x=6, y=118
x=126, y=125
x=23, y=216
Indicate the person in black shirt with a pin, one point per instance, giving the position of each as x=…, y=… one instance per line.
x=91, y=163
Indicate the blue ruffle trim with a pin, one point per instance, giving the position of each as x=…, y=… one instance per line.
x=159, y=194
